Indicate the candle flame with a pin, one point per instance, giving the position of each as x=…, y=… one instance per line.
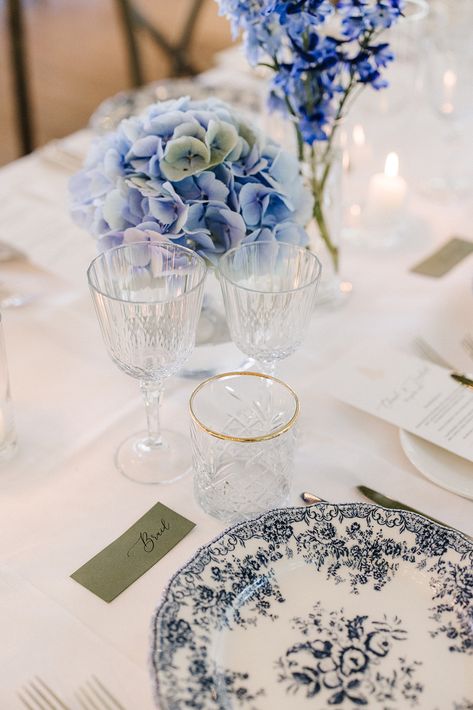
x=447, y=107
x=391, y=167
x=359, y=138
x=346, y=160
x=449, y=79
x=343, y=138
x=355, y=210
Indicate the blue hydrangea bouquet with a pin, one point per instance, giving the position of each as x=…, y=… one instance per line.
x=192, y=172
x=321, y=53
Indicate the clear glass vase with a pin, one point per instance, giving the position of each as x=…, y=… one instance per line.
x=323, y=169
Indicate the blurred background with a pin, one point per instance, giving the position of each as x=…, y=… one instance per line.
x=76, y=54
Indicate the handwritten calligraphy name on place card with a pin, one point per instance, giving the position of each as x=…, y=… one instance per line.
x=444, y=259
x=122, y=562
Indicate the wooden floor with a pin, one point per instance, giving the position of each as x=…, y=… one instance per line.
x=76, y=56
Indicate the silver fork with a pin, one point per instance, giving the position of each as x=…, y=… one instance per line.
x=95, y=696
x=36, y=695
x=428, y=353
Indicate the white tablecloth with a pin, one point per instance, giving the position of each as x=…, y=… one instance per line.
x=61, y=499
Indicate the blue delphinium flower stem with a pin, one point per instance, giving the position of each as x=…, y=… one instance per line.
x=320, y=51
x=318, y=184
x=318, y=212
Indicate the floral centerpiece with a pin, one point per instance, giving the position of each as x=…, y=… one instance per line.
x=192, y=172
x=322, y=53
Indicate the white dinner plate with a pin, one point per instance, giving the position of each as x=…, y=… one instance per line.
x=447, y=470
x=309, y=608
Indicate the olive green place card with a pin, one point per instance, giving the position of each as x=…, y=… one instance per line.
x=444, y=259
x=132, y=554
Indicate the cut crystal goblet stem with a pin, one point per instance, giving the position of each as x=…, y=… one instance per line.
x=268, y=367
x=152, y=396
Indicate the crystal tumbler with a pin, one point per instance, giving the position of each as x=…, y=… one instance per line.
x=243, y=439
x=8, y=443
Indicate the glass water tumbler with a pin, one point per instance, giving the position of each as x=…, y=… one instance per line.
x=8, y=442
x=243, y=440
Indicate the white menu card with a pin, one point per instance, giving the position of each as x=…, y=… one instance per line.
x=409, y=392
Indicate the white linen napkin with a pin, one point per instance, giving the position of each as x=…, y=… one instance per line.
x=55, y=646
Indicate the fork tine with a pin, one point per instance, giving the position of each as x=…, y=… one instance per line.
x=52, y=694
x=83, y=705
x=25, y=702
x=38, y=697
x=98, y=697
x=84, y=695
x=109, y=695
x=428, y=352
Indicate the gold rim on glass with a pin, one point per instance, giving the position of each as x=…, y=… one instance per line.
x=244, y=439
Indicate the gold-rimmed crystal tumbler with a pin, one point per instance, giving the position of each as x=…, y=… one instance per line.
x=243, y=431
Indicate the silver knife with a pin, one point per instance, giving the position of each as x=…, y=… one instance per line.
x=386, y=502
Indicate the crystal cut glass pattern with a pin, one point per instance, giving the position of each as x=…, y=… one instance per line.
x=243, y=440
x=269, y=290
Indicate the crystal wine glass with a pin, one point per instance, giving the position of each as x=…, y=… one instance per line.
x=148, y=297
x=449, y=64
x=269, y=291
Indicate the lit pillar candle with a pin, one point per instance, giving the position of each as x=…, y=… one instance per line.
x=360, y=149
x=354, y=216
x=449, y=83
x=360, y=152
x=386, y=193
x=343, y=140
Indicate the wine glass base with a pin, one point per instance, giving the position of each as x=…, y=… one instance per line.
x=161, y=464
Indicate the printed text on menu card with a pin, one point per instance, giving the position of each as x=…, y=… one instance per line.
x=409, y=392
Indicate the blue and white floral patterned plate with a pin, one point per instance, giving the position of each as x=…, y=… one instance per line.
x=317, y=607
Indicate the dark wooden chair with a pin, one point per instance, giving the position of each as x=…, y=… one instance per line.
x=23, y=111
x=134, y=23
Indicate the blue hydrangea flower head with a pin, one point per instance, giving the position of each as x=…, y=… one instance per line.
x=193, y=172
